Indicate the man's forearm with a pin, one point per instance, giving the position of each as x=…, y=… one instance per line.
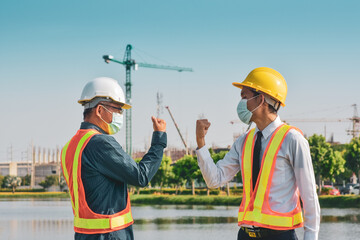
x=150, y=163
x=200, y=142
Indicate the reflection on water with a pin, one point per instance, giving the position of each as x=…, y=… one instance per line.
x=188, y=220
x=347, y=218
x=35, y=229
x=182, y=207
x=40, y=220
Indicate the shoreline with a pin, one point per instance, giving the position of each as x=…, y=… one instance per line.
x=347, y=201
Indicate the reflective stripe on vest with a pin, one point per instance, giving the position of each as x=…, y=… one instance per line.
x=85, y=220
x=255, y=207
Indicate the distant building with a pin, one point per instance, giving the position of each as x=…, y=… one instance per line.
x=176, y=153
x=19, y=169
x=47, y=169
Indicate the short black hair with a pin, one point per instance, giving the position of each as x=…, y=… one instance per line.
x=87, y=112
x=270, y=107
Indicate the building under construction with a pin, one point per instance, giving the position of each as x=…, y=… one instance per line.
x=43, y=163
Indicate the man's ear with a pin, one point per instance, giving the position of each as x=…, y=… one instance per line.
x=261, y=99
x=98, y=110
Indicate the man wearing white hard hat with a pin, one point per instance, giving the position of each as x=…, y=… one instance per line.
x=97, y=169
x=275, y=163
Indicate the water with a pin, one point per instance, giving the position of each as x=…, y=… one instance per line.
x=52, y=219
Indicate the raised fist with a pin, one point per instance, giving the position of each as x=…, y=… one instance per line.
x=158, y=124
x=202, y=126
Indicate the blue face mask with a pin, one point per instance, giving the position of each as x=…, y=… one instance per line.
x=116, y=123
x=243, y=112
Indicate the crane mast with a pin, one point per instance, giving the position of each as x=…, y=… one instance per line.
x=128, y=117
x=354, y=132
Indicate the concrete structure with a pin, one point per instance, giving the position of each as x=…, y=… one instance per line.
x=21, y=169
x=176, y=153
x=41, y=161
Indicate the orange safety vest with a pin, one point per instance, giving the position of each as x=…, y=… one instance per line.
x=85, y=220
x=255, y=208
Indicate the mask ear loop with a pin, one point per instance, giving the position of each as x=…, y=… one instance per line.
x=254, y=109
x=106, y=110
x=259, y=105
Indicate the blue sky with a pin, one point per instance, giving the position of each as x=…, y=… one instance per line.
x=50, y=49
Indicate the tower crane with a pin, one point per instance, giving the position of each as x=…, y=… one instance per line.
x=132, y=64
x=355, y=123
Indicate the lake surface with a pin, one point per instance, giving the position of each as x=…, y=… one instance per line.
x=53, y=219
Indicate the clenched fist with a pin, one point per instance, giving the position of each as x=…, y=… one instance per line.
x=202, y=126
x=158, y=124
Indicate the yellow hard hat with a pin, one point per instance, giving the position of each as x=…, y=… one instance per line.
x=268, y=81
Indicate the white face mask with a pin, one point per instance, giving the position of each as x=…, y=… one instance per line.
x=243, y=112
x=116, y=123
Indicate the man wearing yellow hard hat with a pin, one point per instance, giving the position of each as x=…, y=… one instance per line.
x=275, y=162
x=97, y=169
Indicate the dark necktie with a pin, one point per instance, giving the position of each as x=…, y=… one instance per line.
x=256, y=158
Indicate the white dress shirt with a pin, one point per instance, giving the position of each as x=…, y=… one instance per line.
x=293, y=170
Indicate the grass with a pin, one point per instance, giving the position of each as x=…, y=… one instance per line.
x=350, y=201
x=347, y=201
x=39, y=195
x=187, y=200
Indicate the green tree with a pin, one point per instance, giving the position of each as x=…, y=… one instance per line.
x=186, y=168
x=339, y=165
x=12, y=182
x=339, y=147
x=62, y=183
x=162, y=176
x=327, y=163
x=219, y=156
x=25, y=181
x=49, y=181
x=1, y=180
x=345, y=176
x=175, y=179
x=352, y=156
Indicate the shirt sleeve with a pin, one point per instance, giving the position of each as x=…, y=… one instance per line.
x=109, y=158
x=305, y=180
x=223, y=171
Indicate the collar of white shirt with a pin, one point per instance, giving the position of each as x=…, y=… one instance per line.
x=270, y=128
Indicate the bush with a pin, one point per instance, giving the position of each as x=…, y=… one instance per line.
x=22, y=190
x=236, y=191
x=325, y=191
x=339, y=201
x=49, y=181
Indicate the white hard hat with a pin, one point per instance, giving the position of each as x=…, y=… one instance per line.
x=103, y=88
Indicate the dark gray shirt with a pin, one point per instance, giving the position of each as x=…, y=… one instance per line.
x=106, y=169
